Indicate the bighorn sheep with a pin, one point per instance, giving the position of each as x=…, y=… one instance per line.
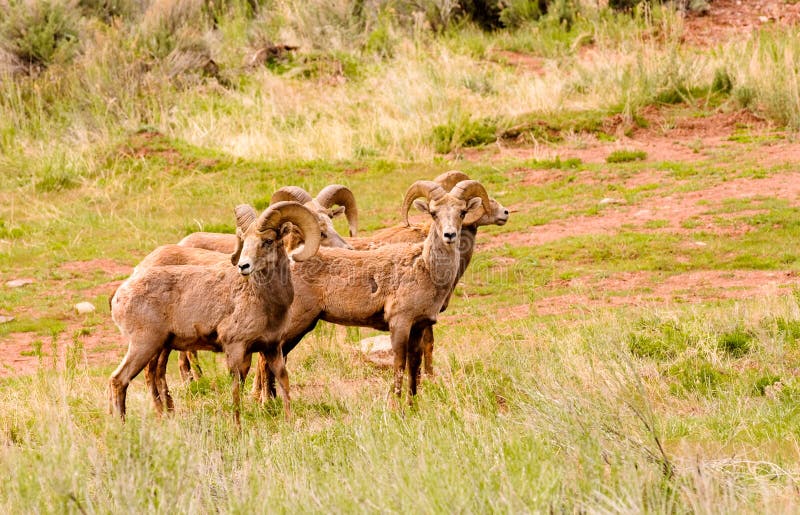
x=234, y=309
x=495, y=215
x=395, y=287
x=323, y=206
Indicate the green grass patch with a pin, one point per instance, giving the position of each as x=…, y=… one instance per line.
x=626, y=156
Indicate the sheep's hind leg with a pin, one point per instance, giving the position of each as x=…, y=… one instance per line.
x=138, y=356
x=239, y=366
x=264, y=381
x=150, y=377
x=161, y=378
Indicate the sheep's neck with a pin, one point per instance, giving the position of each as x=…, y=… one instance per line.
x=273, y=284
x=466, y=246
x=441, y=258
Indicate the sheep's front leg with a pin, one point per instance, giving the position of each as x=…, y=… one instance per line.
x=399, y=334
x=239, y=366
x=427, y=350
x=414, y=360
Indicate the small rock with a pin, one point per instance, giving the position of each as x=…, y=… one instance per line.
x=763, y=19
x=700, y=243
x=608, y=200
x=642, y=213
x=84, y=307
x=5, y=319
x=380, y=343
x=16, y=283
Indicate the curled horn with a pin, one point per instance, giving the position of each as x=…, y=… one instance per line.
x=291, y=193
x=336, y=194
x=277, y=214
x=428, y=189
x=465, y=190
x=449, y=179
x=245, y=215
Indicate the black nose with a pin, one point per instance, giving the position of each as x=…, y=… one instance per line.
x=244, y=267
x=450, y=235
x=506, y=212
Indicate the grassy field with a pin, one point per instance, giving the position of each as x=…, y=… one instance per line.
x=628, y=342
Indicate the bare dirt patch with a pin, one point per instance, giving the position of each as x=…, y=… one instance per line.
x=648, y=289
x=108, y=266
x=519, y=60
x=19, y=354
x=674, y=209
x=733, y=18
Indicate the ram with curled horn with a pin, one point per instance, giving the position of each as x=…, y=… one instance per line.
x=397, y=288
x=323, y=206
x=236, y=305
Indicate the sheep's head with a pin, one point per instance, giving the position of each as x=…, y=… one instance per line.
x=495, y=214
x=448, y=210
x=322, y=206
x=259, y=238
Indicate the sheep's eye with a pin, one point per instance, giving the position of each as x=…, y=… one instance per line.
x=324, y=235
x=463, y=214
x=433, y=215
x=267, y=243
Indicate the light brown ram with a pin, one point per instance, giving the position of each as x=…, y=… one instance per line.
x=323, y=206
x=407, y=233
x=396, y=287
x=237, y=310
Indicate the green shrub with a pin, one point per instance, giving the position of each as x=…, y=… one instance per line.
x=107, y=10
x=722, y=83
x=625, y=156
x=735, y=343
x=167, y=22
x=697, y=375
x=39, y=32
x=518, y=12
x=762, y=382
x=658, y=340
x=463, y=132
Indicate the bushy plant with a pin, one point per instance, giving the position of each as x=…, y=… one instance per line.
x=39, y=32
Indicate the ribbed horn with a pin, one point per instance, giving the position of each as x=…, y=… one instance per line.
x=428, y=189
x=291, y=193
x=465, y=190
x=245, y=215
x=449, y=179
x=282, y=212
x=336, y=194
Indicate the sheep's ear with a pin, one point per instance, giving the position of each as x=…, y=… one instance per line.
x=421, y=205
x=285, y=229
x=337, y=212
x=474, y=203
x=239, y=245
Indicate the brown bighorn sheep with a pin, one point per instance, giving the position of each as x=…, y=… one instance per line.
x=396, y=287
x=323, y=205
x=496, y=215
x=234, y=309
